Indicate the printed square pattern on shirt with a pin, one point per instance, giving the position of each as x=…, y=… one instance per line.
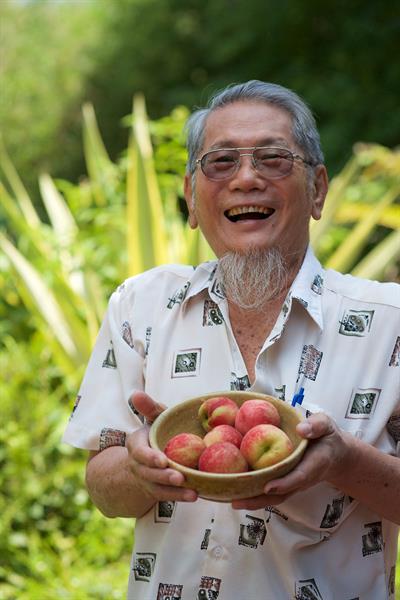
x=310, y=361
x=111, y=437
x=209, y=588
x=252, y=534
x=307, y=589
x=186, y=363
x=333, y=513
x=280, y=392
x=239, y=384
x=164, y=510
x=317, y=284
x=169, y=591
x=206, y=539
x=127, y=333
x=272, y=510
x=143, y=565
x=179, y=296
x=148, y=338
x=363, y=403
x=109, y=362
x=211, y=314
x=356, y=322
x=218, y=289
x=372, y=541
x=395, y=358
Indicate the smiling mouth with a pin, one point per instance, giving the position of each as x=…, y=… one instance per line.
x=243, y=213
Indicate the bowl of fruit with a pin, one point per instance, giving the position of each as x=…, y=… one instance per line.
x=228, y=445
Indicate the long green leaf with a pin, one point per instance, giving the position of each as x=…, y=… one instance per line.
x=351, y=213
x=348, y=252
x=23, y=200
x=46, y=304
x=377, y=261
x=101, y=169
x=146, y=236
x=20, y=225
x=60, y=216
x=66, y=230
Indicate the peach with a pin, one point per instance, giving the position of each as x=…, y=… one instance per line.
x=223, y=433
x=265, y=445
x=255, y=412
x=222, y=457
x=185, y=449
x=217, y=411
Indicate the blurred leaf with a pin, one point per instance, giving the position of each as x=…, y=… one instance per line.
x=362, y=208
x=23, y=199
x=45, y=301
x=147, y=242
x=382, y=256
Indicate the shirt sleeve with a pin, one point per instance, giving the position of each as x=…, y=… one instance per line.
x=102, y=415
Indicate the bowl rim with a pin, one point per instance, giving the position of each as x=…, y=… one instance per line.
x=221, y=476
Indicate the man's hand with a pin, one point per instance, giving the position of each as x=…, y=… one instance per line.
x=149, y=466
x=325, y=455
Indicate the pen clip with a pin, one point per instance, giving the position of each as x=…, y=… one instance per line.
x=298, y=397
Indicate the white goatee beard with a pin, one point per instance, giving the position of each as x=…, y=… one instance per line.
x=254, y=278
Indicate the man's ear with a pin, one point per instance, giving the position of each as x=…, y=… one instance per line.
x=190, y=203
x=319, y=191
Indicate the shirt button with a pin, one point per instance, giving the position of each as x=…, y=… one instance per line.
x=218, y=551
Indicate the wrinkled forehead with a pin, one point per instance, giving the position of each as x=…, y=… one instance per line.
x=247, y=124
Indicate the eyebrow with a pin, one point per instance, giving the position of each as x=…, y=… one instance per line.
x=270, y=141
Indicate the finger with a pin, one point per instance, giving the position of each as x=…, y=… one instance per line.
x=316, y=426
x=258, y=502
x=295, y=481
x=146, y=406
x=164, y=492
x=159, y=476
x=307, y=473
x=139, y=450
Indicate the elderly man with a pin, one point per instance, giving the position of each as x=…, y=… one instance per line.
x=264, y=317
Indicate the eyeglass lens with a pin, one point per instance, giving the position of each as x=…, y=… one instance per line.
x=269, y=162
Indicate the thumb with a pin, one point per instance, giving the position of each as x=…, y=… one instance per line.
x=146, y=406
x=316, y=426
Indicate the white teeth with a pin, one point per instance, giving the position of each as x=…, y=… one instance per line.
x=240, y=210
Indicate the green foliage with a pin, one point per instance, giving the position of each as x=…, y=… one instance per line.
x=51, y=537
x=360, y=228
x=115, y=224
x=339, y=65
x=48, y=53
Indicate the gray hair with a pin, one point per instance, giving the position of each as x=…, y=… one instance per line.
x=304, y=128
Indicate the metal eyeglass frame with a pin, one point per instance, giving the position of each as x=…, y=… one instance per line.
x=291, y=157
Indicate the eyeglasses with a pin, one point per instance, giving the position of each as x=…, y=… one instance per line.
x=271, y=163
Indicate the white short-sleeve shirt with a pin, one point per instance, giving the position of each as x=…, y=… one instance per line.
x=167, y=332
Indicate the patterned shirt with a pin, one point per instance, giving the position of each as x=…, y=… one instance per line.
x=167, y=331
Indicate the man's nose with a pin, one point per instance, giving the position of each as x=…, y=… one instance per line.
x=247, y=176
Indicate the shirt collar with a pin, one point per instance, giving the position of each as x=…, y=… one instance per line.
x=307, y=288
x=203, y=277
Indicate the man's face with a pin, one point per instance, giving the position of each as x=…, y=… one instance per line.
x=289, y=202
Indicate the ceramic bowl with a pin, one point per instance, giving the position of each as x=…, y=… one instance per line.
x=226, y=487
